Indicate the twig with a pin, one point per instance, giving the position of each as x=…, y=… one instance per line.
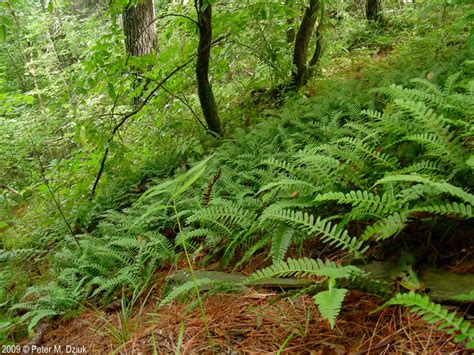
x=12, y=190
x=55, y=201
x=140, y=107
x=186, y=103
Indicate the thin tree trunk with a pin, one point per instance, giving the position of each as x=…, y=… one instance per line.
x=290, y=32
x=316, y=54
x=372, y=10
x=206, y=95
x=303, y=69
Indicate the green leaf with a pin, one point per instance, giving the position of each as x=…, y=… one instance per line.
x=3, y=33
x=185, y=181
x=329, y=303
x=29, y=100
x=111, y=90
x=50, y=7
x=149, y=212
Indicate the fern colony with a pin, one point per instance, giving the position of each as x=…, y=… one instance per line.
x=313, y=182
x=302, y=181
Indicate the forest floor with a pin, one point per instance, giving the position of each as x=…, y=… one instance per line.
x=256, y=321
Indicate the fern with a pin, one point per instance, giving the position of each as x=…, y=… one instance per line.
x=434, y=314
x=457, y=209
x=305, y=267
x=185, y=288
x=354, y=198
x=328, y=232
x=329, y=303
x=281, y=242
x=386, y=227
x=441, y=187
x=37, y=315
x=468, y=297
x=229, y=215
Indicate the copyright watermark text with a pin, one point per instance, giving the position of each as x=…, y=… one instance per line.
x=42, y=349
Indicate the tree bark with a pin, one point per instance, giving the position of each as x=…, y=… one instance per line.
x=372, y=10
x=139, y=28
x=290, y=32
x=206, y=95
x=303, y=70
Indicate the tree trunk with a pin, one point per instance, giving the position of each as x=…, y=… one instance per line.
x=139, y=28
x=303, y=70
x=290, y=32
x=372, y=10
x=206, y=96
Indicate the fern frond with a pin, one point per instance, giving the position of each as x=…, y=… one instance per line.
x=305, y=267
x=457, y=209
x=283, y=165
x=229, y=215
x=423, y=114
x=329, y=303
x=442, y=187
x=468, y=297
x=386, y=227
x=289, y=184
x=434, y=314
x=424, y=166
x=355, y=198
x=38, y=315
x=281, y=241
x=261, y=243
x=185, y=288
x=328, y=232
x=386, y=160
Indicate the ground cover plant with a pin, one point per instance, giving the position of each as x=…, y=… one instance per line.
x=307, y=163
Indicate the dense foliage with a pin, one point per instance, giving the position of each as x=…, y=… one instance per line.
x=109, y=173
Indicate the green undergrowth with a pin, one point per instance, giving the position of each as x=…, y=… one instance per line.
x=365, y=157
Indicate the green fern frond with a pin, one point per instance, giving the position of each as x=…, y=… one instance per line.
x=424, y=114
x=228, y=215
x=385, y=160
x=37, y=315
x=305, y=267
x=424, y=166
x=468, y=297
x=281, y=241
x=186, y=288
x=329, y=303
x=189, y=234
x=261, y=243
x=386, y=227
x=435, y=145
x=283, y=165
x=434, y=314
x=19, y=254
x=290, y=184
x=442, y=187
x=457, y=209
x=328, y=232
x=375, y=115
x=355, y=198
